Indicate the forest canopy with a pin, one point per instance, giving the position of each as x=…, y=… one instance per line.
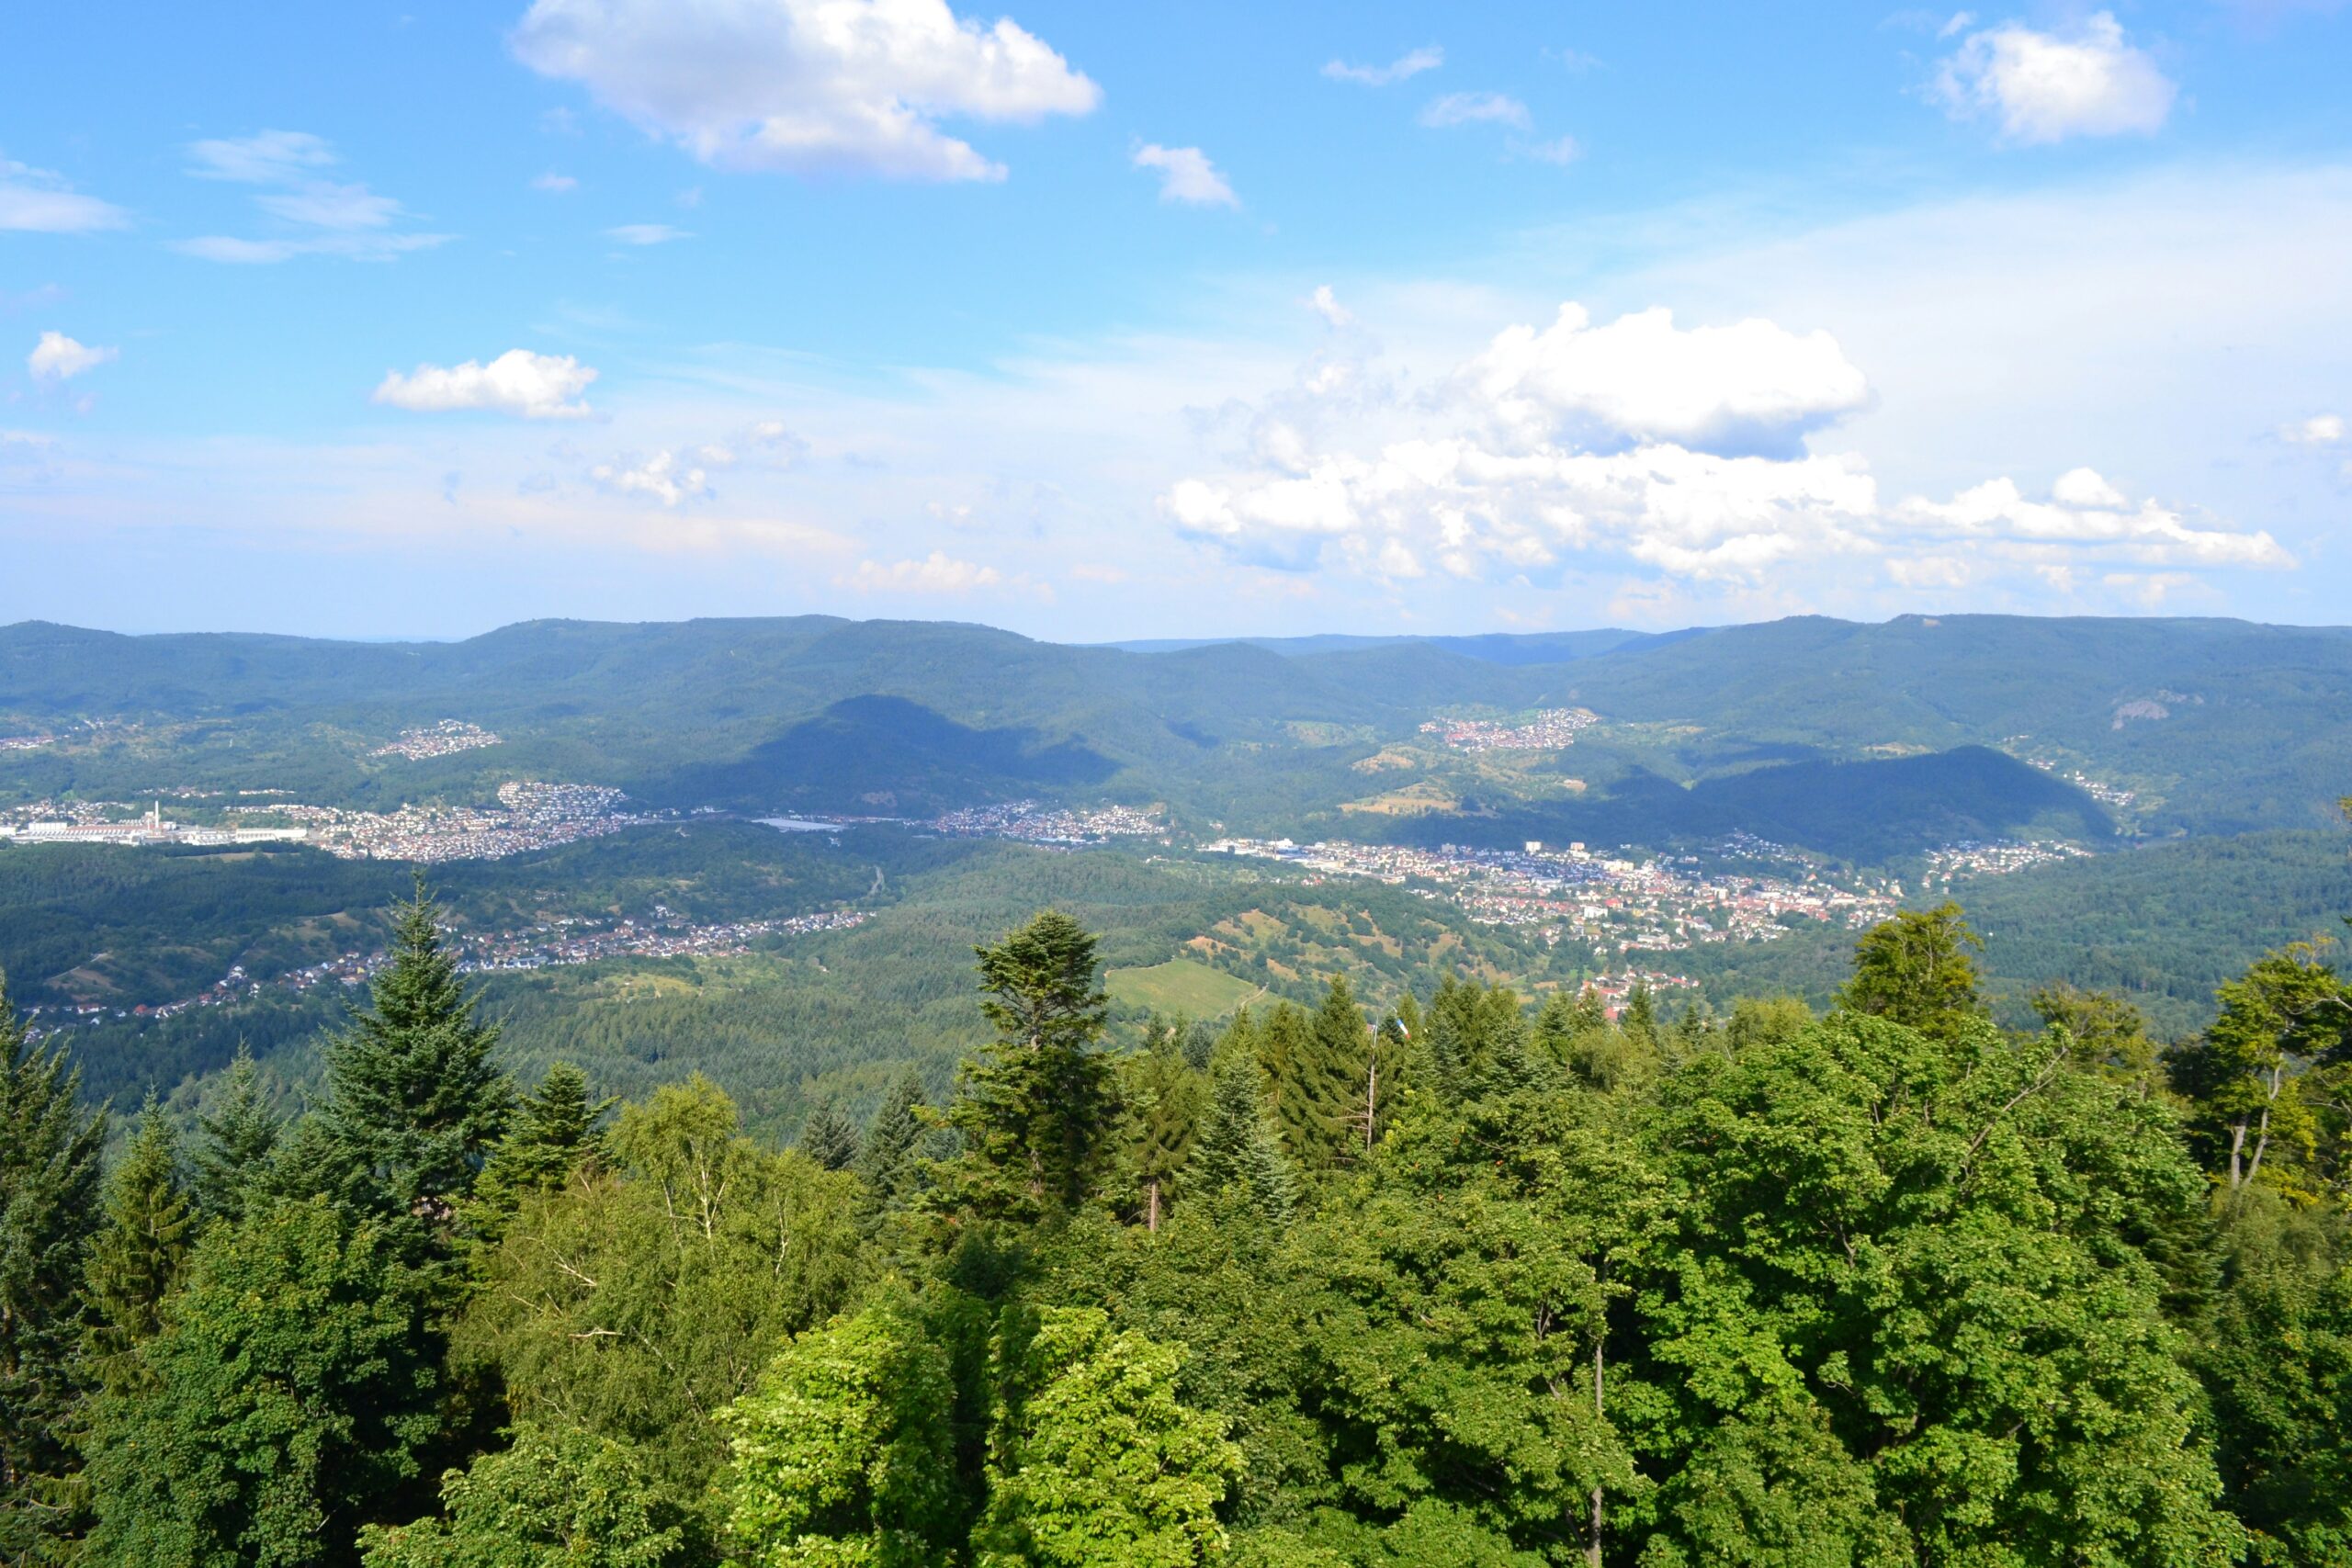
x=1430, y=1277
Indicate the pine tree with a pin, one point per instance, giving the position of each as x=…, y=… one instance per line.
x=413, y=1103
x=138, y=1252
x=828, y=1137
x=234, y=1142
x=1639, y=1021
x=552, y=1133
x=894, y=1140
x=49, y=1210
x=1237, y=1155
x=1036, y=1106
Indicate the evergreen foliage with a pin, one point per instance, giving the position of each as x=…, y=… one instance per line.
x=552, y=1133
x=139, y=1248
x=1238, y=1159
x=283, y=1404
x=413, y=1102
x=50, y=1185
x=1034, y=1107
x=828, y=1137
x=234, y=1141
x=894, y=1139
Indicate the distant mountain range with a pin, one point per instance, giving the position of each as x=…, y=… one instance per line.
x=1861, y=740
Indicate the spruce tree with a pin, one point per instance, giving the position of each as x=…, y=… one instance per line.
x=1163, y=1097
x=1036, y=1106
x=49, y=1211
x=828, y=1137
x=234, y=1142
x=1237, y=1156
x=138, y=1252
x=894, y=1141
x=414, y=1102
x=551, y=1135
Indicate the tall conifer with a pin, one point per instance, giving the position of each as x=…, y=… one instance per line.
x=49, y=1210
x=138, y=1252
x=234, y=1142
x=414, y=1102
x=1035, y=1107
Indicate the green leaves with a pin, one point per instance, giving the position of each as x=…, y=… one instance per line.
x=1096, y=1458
x=293, y=1383
x=842, y=1454
x=552, y=1500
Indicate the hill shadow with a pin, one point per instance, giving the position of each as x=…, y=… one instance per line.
x=885, y=755
x=1868, y=812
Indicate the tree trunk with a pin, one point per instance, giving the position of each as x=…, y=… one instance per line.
x=1592, y=1535
x=1151, y=1207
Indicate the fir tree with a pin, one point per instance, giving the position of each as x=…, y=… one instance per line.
x=234, y=1142
x=894, y=1141
x=1237, y=1155
x=829, y=1137
x=1036, y=1106
x=1164, y=1098
x=552, y=1133
x=49, y=1211
x=413, y=1103
x=1639, y=1021
x=138, y=1252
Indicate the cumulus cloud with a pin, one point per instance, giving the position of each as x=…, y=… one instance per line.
x=2319, y=430
x=661, y=477
x=1325, y=304
x=57, y=357
x=555, y=183
x=1186, y=176
x=1747, y=385
x=935, y=573
x=536, y=386
x=806, y=86
x=314, y=216
x=37, y=201
x=2086, y=512
x=2043, y=87
x=646, y=234
x=1409, y=64
x=1476, y=109
x=1639, y=445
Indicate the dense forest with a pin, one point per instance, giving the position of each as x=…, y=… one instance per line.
x=1433, y=1277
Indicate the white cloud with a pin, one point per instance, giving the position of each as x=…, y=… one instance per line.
x=267, y=157
x=318, y=216
x=1409, y=64
x=659, y=478
x=807, y=87
x=1187, y=176
x=57, y=357
x=37, y=201
x=2319, y=430
x=1580, y=448
x=1642, y=377
x=536, y=386
x=555, y=183
x=2086, y=513
x=1560, y=150
x=935, y=573
x=2044, y=87
x=1325, y=304
x=1473, y=108
x=646, y=234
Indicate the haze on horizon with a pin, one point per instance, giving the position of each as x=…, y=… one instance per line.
x=1095, y=325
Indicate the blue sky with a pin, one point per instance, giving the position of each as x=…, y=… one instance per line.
x=1151, y=319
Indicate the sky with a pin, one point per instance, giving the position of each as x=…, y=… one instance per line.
x=1156, y=320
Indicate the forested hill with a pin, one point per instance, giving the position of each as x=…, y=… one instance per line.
x=2206, y=725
